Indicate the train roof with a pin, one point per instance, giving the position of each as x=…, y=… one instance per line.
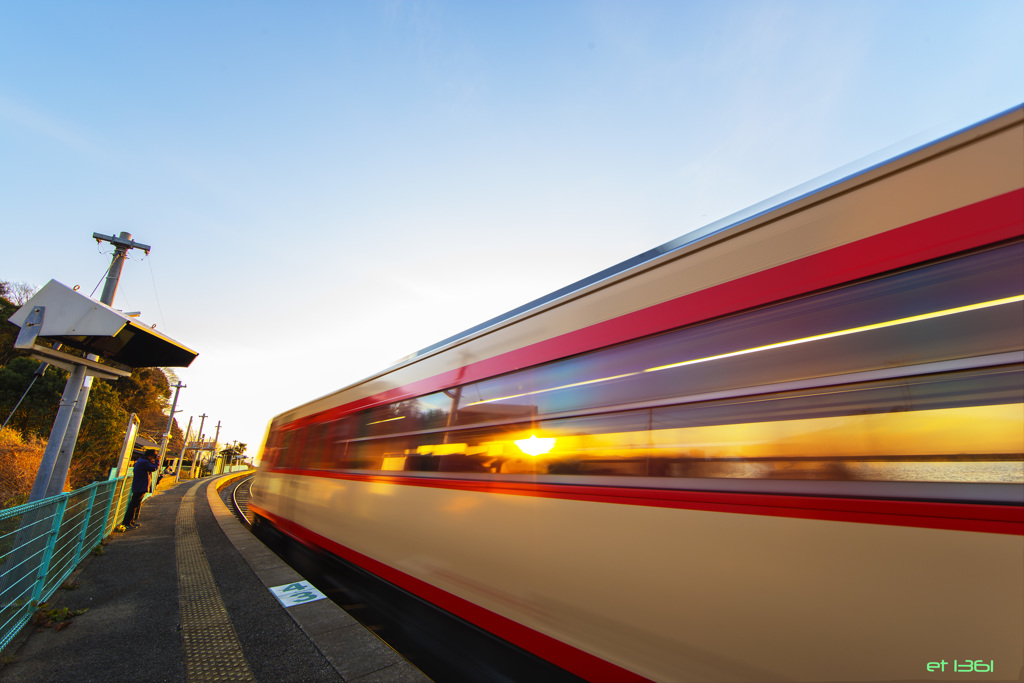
x=812, y=187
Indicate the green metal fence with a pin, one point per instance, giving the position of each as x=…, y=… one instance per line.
x=41, y=543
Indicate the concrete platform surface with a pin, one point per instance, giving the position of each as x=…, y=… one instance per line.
x=186, y=598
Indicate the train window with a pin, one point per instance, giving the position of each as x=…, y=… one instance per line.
x=953, y=427
x=861, y=327
x=366, y=455
x=434, y=410
x=463, y=451
x=272, y=451
x=395, y=454
x=346, y=428
x=291, y=448
x=381, y=420
x=285, y=441
x=339, y=435
x=406, y=454
x=506, y=399
x=423, y=412
x=316, y=454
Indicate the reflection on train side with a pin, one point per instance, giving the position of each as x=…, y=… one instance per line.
x=843, y=433
x=912, y=376
x=958, y=426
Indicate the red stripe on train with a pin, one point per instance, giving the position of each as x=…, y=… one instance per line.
x=975, y=517
x=571, y=659
x=976, y=225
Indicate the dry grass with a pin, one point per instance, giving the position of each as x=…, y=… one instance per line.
x=19, y=461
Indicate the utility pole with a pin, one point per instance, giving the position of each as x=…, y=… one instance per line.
x=181, y=457
x=216, y=458
x=195, y=453
x=167, y=434
x=53, y=470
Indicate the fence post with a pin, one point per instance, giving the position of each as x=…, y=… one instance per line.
x=44, y=564
x=115, y=497
x=115, y=510
x=85, y=524
x=108, y=528
x=122, y=500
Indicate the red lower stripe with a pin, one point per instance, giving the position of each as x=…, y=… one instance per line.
x=571, y=659
x=976, y=517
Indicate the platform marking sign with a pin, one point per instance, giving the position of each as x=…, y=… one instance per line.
x=297, y=593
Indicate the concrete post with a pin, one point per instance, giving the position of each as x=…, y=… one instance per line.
x=216, y=458
x=181, y=457
x=167, y=434
x=67, y=446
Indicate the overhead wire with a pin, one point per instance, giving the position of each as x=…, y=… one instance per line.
x=102, y=278
x=156, y=295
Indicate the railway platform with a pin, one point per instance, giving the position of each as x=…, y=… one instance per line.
x=187, y=597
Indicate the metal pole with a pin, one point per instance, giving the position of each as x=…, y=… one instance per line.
x=67, y=446
x=122, y=243
x=167, y=433
x=60, y=425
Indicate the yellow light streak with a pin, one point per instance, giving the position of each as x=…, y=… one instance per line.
x=442, y=449
x=777, y=345
x=390, y=419
x=842, y=333
x=564, y=386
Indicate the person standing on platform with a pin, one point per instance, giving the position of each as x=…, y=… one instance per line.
x=143, y=470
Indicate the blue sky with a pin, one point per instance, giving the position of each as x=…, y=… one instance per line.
x=329, y=186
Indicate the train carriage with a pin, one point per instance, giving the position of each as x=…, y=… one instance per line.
x=788, y=447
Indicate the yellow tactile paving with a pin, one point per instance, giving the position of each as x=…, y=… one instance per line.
x=211, y=647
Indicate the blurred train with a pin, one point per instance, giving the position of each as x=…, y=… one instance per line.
x=786, y=448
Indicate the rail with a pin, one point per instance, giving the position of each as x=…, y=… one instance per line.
x=241, y=503
x=41, y=543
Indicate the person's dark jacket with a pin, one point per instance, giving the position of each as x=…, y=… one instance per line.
x=142, y=471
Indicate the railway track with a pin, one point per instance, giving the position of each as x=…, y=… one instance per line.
x=236, y=497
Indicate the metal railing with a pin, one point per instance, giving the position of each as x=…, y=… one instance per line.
x=41, y=543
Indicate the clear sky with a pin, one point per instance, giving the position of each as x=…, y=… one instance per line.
x=331, y=185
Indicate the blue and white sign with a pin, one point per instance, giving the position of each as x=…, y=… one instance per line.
x=297, y=593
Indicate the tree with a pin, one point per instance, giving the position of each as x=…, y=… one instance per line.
x=99, y=441
x=177, y=438
x=19, y=460
x=34, y=416
x=146, y=393
x=146, y=389
x=8, y=331
x=16, y=292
